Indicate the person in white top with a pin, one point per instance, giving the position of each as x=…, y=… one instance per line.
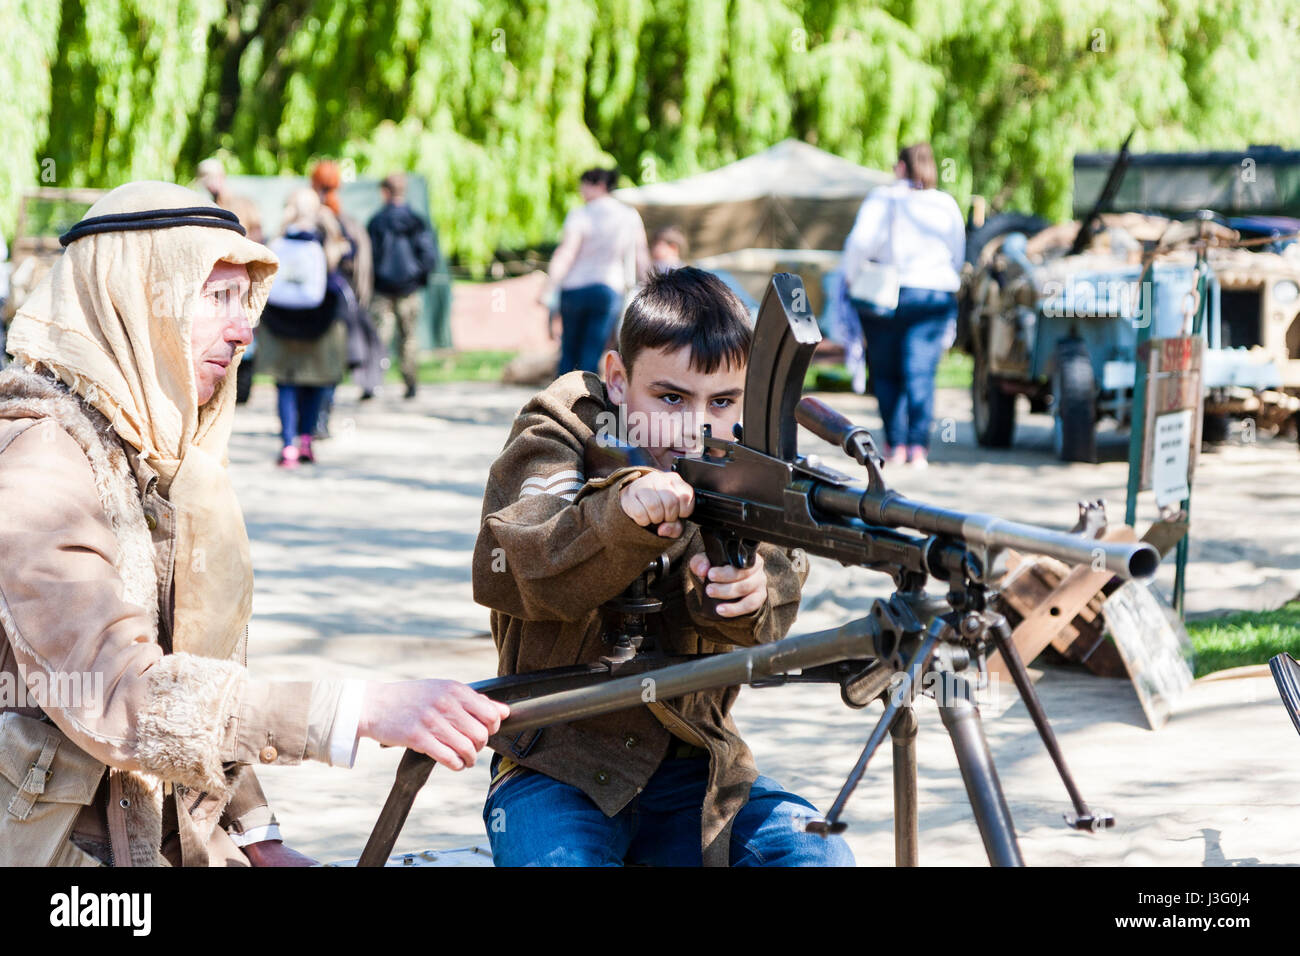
x=918, y=230
x=602, y=255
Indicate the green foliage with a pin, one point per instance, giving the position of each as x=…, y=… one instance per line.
x=25, y=56
x=502, y=103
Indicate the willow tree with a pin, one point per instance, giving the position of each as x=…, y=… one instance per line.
x=501, y=104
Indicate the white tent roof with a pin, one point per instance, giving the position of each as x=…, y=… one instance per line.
x=790, y=169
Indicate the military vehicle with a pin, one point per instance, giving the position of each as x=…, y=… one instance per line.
x=1051, y=312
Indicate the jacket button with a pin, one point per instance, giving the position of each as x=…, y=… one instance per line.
x=630, y=742
x=602, y=777
x=269, y=754
x=150, y=520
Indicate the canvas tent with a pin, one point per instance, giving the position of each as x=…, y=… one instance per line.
x=792, y=196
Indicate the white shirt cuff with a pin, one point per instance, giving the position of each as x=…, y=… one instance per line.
x=343, y=739
x=256, y=835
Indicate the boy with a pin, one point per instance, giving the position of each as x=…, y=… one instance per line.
x=671, y=782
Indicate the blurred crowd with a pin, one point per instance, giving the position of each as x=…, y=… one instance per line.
x=345, y=297
x=349, y=298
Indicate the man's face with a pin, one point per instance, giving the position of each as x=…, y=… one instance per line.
x=220, y=325
x=668, y=402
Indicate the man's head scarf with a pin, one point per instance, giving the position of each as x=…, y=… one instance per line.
x=112, y=320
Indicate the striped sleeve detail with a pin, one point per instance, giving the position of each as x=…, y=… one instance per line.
x=562, y=484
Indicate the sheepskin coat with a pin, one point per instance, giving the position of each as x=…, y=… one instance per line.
x=87, y=554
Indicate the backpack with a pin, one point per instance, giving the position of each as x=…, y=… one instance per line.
x=404, y=259
x=300, y=281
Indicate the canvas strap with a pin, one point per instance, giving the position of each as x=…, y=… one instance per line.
x=33, y=785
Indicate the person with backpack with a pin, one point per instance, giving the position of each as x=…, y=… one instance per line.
x=303, y=341
x=405, y=252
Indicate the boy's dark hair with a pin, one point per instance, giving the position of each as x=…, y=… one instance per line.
x=687, y=308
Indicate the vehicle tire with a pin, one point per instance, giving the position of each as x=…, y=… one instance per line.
x=1000, y=225
x=244, y=381
x=1074, y=403
x=993, y=410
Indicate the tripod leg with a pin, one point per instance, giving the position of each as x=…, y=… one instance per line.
x=962, y=721
x=894, y=703
x=1083, y=819
x=903, y=731
x=412, y=772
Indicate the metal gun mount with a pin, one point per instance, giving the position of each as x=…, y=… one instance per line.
x=757, y=488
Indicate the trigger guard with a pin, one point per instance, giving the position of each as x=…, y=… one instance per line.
x=741, y=553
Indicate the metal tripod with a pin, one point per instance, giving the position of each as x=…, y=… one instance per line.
x=889, y=654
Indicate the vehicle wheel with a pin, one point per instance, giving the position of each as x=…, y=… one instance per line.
x=1215, y=429
x=244, y=381
x=1000, y=225
x=1074, y=403
x=993, y=409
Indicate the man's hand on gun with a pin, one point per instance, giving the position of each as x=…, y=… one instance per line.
x=664, y=498
x=441, y=718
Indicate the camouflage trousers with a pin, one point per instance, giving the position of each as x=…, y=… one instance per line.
x=400, y=316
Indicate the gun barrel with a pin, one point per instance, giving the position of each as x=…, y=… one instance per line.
x=1137, y=561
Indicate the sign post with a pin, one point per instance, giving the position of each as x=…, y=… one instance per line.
x=1169, y=398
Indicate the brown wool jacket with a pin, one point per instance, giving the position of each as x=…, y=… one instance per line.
x=553, y=546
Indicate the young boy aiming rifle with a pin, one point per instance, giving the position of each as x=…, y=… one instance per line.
x=669, y=783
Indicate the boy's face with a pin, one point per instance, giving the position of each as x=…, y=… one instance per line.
x=668, y=401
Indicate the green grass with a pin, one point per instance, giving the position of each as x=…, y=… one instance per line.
x=954, y=372
x=450, y=366
x=1237, y=640
x=443, y=366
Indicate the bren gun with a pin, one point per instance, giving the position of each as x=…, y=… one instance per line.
x=758, y=488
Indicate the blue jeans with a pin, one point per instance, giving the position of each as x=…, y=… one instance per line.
x=903, y=355
x=588, y=314
x=533, y=820
x=299, y=410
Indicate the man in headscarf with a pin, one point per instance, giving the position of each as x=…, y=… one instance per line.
x=124, y=564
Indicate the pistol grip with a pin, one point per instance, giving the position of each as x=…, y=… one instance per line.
x=728, y=549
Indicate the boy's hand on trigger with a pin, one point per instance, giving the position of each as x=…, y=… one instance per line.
x=660, y=497
x=744, y=588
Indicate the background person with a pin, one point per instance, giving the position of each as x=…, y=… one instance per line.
x=365, y=348
x=212, y=176
x=918, y=230
x=405, y=252
x=602, y=255
x=303, y=338
x=668, y=249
